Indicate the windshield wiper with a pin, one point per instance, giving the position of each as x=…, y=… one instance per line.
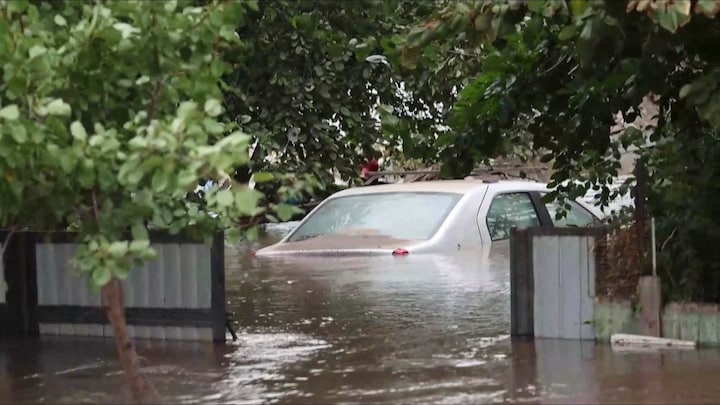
x=306, y=237
x=310, y=236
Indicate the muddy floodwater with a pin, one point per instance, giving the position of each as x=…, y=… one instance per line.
x=424, y=329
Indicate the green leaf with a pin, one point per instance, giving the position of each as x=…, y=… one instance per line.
x=286, y=211
x=186, y=109
x=118, y=249
x=577, y=7
x=170, y=5
x=10, y=112
x=685, y=90
x=630, y=65
x=187, y=179
x=213, y=107
x=252, y=5
x=134, y=176
x=126, y=30
x=78, y=131
x=160, y=181
x=86, y=176
x=232, y=236
x=547, y=158
x=19, y=133
x=67, y=162
x=139, y=245
x=567, y=32
x=138, y=142
x=122, y=272
x=139, y=231
x=213, y=126
x=262, y=177
x=252, y=233
x=233, y=139
x=246, y=200
x=536, y=6
x=587, y=30
x=675, y=16
x=37, y=50
x=60, y=20
x=708, y=7
x=224, y=198
x=58, y=107
x=101, y=276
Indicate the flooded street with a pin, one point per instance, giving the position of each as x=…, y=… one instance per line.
x=409, y=329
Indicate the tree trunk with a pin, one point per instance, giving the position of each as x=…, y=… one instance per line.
x=112, y=294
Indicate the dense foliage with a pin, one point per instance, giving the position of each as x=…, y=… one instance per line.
x=111, y=113
x=312, y=79
x=110, y=116
x=555, y=73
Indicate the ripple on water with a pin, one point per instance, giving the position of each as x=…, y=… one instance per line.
x=255, y=366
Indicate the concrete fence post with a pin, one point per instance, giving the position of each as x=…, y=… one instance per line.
x=649, y=292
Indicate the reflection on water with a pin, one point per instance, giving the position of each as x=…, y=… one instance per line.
x=429, y=329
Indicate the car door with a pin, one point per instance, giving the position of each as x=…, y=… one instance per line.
x=576, y=216
x=503, y=209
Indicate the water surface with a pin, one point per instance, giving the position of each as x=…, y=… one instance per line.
x=414, y=329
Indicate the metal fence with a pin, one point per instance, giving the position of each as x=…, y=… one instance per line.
x=553, y=282
x=178, y=295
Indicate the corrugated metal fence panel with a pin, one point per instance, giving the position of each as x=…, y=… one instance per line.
x=564, y=274
x=59, y=283
x=587, y=279
x=180, y=277
x=546, y=305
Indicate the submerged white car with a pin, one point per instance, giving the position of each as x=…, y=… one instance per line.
x=425, y=217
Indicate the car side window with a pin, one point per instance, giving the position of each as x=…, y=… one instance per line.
x=510, y=210
x=576, y=216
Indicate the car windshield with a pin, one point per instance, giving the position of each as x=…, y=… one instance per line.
x=407, y=215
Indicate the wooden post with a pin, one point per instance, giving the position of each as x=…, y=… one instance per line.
x=521, y=284
x=16, y=315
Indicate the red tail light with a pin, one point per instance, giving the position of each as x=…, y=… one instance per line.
x=400, y=252
x=252, y=253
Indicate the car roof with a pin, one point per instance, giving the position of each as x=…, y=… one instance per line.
x=443, y=186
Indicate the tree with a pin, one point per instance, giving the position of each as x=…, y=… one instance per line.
x=555, y=73
x=111, y=113
x=313, y=96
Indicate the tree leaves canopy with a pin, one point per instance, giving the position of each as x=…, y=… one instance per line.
x=111, y=113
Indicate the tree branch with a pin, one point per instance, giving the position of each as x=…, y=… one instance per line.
x=112, y=294
x=95, y=207
x=158, y=85
x=153, y=101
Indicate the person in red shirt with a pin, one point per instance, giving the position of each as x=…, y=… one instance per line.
x=371, y=165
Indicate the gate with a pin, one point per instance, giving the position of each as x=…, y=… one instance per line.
x=552, y=273
x=180, y=295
